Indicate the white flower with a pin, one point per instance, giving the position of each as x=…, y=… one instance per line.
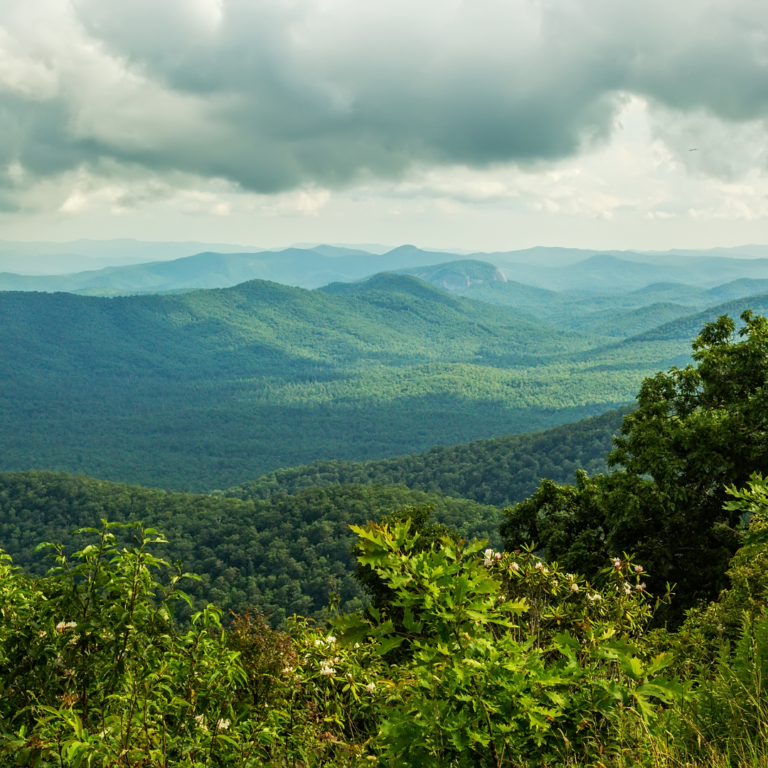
x=488, y=554
x=287, y=670
x=498, y=556
x=357, y=645
x=574, y=587
x=515, y=567
x=617, y=563
x=42, y=634
x=330, y=639
x=222, y=725
x=638, y=569
x=594, y=597
x=627, y=588
x=371, y=687
x=569, y=576
x=319, y=642
x=200, y=720
x=640, y=587
x=327, y=669
x=63, y=625
x=539, y=566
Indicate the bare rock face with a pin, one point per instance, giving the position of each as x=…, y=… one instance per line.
x=459, y=280
x=454, y=282
x=457, y=276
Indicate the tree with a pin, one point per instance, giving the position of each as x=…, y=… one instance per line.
x=696, y=430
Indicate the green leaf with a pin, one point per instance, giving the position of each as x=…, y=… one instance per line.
x=631, y=666
x=388, y=644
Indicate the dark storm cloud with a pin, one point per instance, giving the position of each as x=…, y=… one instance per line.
x=327, y=92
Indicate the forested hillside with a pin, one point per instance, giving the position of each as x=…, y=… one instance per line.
x=283, y=556
x=212, y=388
x=573, y=640
x=687, y=326
x=499, y=471
x=601, y=307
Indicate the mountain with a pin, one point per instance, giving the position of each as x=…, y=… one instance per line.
x=623, y=323
x=457, y=276
x=47, y=258
x=681, y=328
x=292, y=266
x=737, y=289
x=617, y=313
x=609, y=273
x=500, y=471
x=553, y=269
x=211, y=388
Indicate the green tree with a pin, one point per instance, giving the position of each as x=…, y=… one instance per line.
x=696, y=430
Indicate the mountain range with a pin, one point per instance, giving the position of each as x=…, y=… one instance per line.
x=555, y=269
x=211, y=388
x=199, y=389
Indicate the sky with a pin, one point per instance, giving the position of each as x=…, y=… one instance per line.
x=482, y=125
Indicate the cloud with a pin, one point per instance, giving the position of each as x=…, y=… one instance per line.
x=319, y=94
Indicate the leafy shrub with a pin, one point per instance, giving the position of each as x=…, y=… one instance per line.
x=479, y=687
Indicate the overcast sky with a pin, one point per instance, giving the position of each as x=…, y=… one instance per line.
x=487, y=124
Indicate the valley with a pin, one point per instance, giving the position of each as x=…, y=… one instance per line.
x=312, y=460
x=211, y=388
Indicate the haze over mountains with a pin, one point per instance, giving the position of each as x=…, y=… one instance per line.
x=214, y=375
x=133, y=267
x=50, y=258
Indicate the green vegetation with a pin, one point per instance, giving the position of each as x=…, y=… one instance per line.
x=500, y=471
x=465, y=656
x=696, y=431
x=283, y=556
x=688, y=326
x=607, y=308
x=496, y=660
x=212, y=388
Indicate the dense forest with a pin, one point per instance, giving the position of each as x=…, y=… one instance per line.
x=499, y=471
x=623, y=624
x=212, y=388
x=282, y=556
x=610, y=309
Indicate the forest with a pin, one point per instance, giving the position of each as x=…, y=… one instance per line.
x=210, y=389
x=620, y=620
x=282, y=556
x=500, y=471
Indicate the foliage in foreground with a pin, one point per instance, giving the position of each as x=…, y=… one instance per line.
x=499, y=660
x=696, y=431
